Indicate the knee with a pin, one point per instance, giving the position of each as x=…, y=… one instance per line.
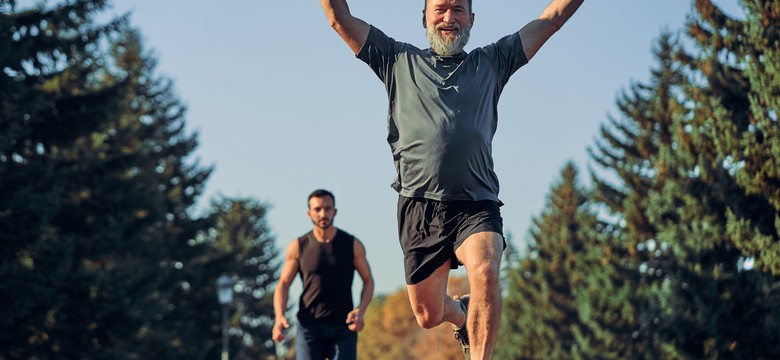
x=427, y=322
x=487, y=273
x=428, y=318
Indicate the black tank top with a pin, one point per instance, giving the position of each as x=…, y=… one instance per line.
x=327, y=271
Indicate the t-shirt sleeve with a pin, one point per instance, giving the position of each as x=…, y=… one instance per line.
x=506, y=55
x=380, y=53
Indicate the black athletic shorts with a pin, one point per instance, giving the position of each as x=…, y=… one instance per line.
x=430, y=231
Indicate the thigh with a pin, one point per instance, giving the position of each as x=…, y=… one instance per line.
x=481, y=249
x=427, y=296
x=309, y=344
x=346, y=345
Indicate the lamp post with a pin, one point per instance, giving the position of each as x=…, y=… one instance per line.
x=225, y=296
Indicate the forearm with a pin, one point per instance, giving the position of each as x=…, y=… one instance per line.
x=280, y=300
x=538, y=31
x=366, y=295
x=559, y=11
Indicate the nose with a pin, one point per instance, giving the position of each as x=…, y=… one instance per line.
x=448, y=16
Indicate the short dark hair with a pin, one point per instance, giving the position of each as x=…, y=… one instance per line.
x=320, y=193
x=425, y=5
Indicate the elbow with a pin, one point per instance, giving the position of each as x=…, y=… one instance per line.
x=333, y=23
x=551, y=26
x=337, y=25
x=335, y=20
x=556, y=25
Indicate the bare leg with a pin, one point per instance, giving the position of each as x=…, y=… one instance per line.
x=430, y=302
x=481, y=254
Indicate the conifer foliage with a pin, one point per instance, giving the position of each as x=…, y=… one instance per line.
x=631, y=150
x=101, y=255
x=541, y=305
x=243, y=248
x=681, y=256
x=709, y=303
x=743, y=113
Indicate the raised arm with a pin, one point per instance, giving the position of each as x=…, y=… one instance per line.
x=353, y=30
x=282, y=292
x=536, y=33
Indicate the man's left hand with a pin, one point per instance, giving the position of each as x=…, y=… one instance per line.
x=355, y=320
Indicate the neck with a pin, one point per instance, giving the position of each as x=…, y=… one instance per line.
x=324, y=235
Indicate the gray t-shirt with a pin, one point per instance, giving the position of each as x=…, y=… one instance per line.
x=443, y=113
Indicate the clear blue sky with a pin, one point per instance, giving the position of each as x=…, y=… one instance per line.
x=283, y=107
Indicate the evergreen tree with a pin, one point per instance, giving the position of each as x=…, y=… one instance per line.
x=54, y=225
x=629, y=149
x=744, y=112
x=541, y=312
x=246, y=250
x=151, y=149
x=710, y=305
x=237, y=244
x=102, y=256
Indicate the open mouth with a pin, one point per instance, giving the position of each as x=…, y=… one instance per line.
x=448, y=32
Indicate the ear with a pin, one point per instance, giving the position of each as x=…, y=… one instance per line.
x=472, y=19
x=425, y=26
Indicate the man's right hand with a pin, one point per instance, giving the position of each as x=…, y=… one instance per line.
x=279, y=326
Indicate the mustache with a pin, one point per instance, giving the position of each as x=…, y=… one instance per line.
x=453, y=25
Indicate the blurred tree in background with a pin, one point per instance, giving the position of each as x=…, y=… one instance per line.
x=102, y=255
x=244, y=249
x=392, y=332
x=543, y=306
x=715, y=303
x=629, y=152
x=741, y=67
x=687, y=207
x=672, y=253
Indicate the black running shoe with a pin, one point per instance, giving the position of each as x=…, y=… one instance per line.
x=460, y=332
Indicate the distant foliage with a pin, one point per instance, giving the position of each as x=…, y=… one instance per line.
x=677, y=256
x=392, y=332
x=101, y=253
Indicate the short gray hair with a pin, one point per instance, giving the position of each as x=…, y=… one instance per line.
x=425, y=5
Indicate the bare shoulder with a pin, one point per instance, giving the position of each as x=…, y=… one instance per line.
x=292, y=250
x=358, y=246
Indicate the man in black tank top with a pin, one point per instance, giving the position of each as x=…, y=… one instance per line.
x=325, y=258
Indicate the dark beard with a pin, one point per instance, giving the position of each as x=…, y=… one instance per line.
x=317, y=224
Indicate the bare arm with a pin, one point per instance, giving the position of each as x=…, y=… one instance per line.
x=538, y=31
x=353, y=30
x=355, y=317
x=282, y=292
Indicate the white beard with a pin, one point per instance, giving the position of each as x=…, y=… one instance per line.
x=446, y=46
